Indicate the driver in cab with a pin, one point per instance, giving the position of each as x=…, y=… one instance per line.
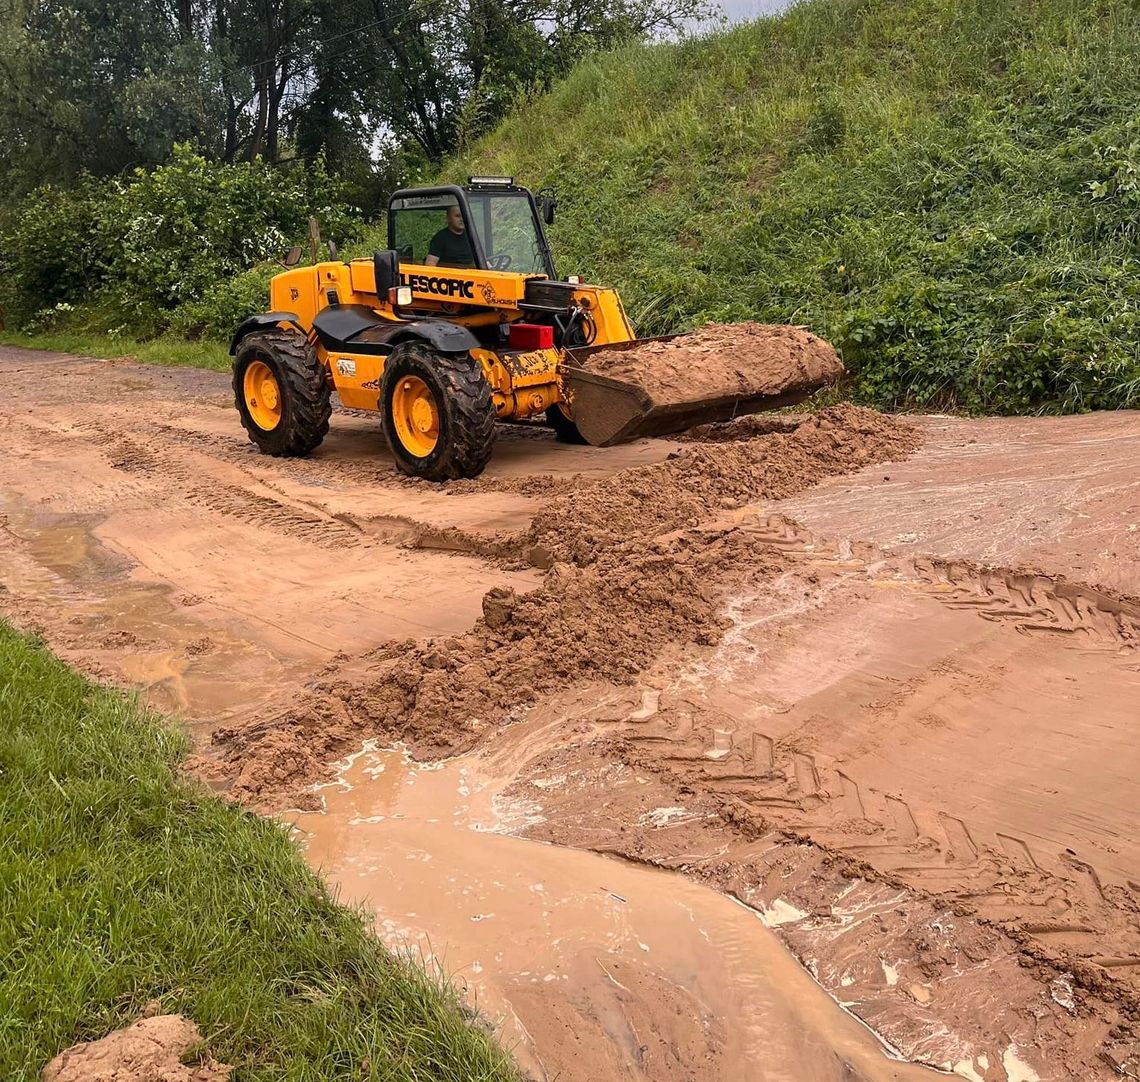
x=450, y=247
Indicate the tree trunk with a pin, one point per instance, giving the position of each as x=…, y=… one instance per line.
x=229, y=151
x=257, y=139
x=273, y=126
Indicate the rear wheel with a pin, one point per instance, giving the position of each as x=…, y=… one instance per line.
x=564, y=428
x=437, y=411
x=281, y=393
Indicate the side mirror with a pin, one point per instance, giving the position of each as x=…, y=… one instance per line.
x=293, y=257
x=332, y=249
x=386, y=264
x=547, y=202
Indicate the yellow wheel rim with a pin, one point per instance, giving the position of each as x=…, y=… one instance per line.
x=415, y=415
x=262, y=396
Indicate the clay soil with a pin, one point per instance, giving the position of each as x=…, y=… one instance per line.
x=161, y=1048
x=876, y=679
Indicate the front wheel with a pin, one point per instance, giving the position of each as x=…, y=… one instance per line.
x=564, y=428
x=437, y=410
x=282, y=393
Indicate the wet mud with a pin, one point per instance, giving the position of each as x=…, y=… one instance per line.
x=873, y=679
x=714, y=374
x=621, y=586
x=590, y=967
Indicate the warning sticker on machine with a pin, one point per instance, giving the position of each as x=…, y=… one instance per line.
x=345, y=367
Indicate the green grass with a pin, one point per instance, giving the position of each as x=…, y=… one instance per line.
x=947, y=189
x=204, y=353
x=123, y=883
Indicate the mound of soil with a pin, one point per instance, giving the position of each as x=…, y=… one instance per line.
x=707, y=478
x=608, y=621
x=150, y=1050
x=630, y=573
x=724, y=359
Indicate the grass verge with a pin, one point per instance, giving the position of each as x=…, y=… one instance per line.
x=124, y=883
x=166, y=351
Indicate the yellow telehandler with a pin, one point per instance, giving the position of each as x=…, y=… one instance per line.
x=463, y=322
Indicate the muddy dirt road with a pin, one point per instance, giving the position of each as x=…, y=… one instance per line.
x=870, y=684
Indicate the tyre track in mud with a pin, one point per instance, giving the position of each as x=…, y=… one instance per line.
x=181, y=474
x=822, y=829
x=934, y=850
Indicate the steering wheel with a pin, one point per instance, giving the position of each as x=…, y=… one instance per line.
x=499, y=262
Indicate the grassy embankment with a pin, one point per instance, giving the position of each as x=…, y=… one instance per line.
x=123, y=883
x=949, y=190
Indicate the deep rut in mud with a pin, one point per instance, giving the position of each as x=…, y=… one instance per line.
x=903, y=732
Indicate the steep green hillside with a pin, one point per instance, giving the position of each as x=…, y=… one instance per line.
x=948, y=189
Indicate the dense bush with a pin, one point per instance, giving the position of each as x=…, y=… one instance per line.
x=169, y=247
x=948, y=189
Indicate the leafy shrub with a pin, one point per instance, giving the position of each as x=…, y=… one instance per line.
x=170, y=239
x=224, y=304
x=173, y=234
x=49, y=252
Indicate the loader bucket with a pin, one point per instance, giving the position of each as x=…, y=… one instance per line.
x=656, y=386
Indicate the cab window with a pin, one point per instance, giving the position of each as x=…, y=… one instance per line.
x=508, y=231
x=420, y=228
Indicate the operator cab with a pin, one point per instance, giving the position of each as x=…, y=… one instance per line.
x=490, y=223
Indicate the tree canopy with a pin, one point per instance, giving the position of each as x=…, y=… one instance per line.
x=103, y=86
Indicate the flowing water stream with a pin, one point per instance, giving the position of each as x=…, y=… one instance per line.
x=589, y=967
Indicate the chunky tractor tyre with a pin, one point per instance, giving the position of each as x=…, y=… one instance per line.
x=282, y=393
x=565, y=429
x=437, y=412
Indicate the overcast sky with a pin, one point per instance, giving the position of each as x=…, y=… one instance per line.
x=739, y=11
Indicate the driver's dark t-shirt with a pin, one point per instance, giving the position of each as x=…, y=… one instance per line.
x=451, y=249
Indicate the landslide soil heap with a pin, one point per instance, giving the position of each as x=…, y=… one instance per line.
x=655, y=387
x=149, y=1050
x=703, y=480
x=630, y=572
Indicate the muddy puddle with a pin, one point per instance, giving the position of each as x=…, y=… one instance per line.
x=116, y=624
x=589, y=967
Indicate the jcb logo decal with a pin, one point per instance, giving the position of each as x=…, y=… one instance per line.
x=441, y=287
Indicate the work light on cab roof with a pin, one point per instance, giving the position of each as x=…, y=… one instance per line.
x=463, y=323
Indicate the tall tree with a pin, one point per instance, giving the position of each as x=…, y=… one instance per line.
x=436, y=71
x=100, y=85
x=282, y=34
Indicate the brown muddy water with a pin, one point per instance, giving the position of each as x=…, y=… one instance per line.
x=588, y=967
